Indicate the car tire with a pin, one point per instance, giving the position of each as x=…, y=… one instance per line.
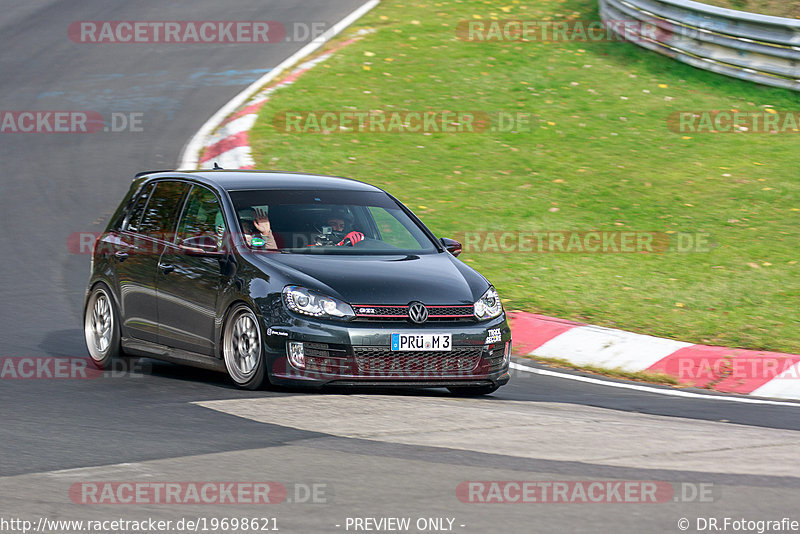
x=467, y=391
x=243, y=348
x=101, y=327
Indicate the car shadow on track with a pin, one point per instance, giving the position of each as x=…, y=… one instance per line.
x=69, y=343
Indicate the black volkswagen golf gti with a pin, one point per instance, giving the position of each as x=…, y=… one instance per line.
x=290, y=279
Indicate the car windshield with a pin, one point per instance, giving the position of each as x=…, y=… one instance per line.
x=327, y=222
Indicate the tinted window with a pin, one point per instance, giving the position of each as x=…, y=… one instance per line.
x=162, y=209
x=329, y=222
x=135, y=215
x=202, y=215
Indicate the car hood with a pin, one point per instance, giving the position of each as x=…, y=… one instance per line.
x=434, y=279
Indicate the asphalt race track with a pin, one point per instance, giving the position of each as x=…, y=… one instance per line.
x=375, y=454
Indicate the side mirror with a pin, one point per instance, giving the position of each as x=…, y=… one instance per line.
x=451, y=245
x=202, y=245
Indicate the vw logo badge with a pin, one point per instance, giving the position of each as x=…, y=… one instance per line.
x=417, y=312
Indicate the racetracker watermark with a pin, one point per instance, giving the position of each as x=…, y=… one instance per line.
x=534, y=242
x=198, y=492
x=551, y=31
x=769, y=121
x=66, y=122
x=177, y=492
x=319, y=361
x=584, y=242
x=762, y=368
x=71, y=368
x=402, y=121
x=194, y=31
x=156, y=243
x=583, y=492
x=47, y=368
x=379, y=121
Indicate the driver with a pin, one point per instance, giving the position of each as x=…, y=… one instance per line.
x=337, y=223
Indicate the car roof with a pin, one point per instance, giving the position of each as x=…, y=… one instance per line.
x=242, y=180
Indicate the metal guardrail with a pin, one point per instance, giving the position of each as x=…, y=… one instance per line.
x=758, y=48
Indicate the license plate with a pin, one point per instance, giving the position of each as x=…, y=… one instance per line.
x=411, y=342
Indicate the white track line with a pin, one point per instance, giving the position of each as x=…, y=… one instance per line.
x=648, y=389
x=191, y=152
x=101, y=470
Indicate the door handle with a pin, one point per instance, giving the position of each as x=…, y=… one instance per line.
x=121, y=255
x=165, y=268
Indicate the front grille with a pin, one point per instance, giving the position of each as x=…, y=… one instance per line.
x=457, y=311
x=381, y=361
x=400, y=313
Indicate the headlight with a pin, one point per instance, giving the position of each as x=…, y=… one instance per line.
x=308, y=302
x=489, y=306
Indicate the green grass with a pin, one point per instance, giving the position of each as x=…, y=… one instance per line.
x=600, y=152
x=778, y=8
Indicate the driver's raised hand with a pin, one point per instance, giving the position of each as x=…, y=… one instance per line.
x=261, y=221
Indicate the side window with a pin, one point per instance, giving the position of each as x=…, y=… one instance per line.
x=202, y=215
x=135, y=214
x=162, y=209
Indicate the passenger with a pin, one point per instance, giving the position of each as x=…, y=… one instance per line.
x=255, y=223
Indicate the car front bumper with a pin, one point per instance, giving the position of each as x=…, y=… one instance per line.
x=360, y=354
